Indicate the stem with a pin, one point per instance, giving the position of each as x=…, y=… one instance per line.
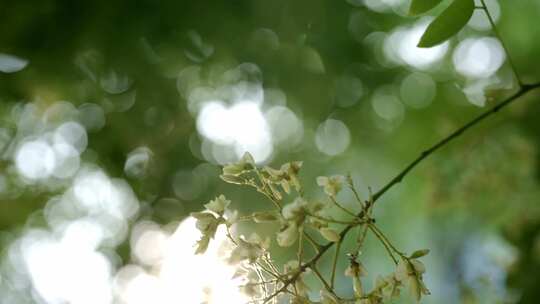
x=361, y=237
x=316, y=246
x=308, y=264
x=265, y=191
x=321, y=278
x=341, y=207
x=271, y=273
x=229, y=235
x=386, y=240
x=300, y=246
x=384, y=244
x=260, y=283
x=397, y=179
x=330, y=220
x=262, y=279
x=353, y=189
x=334, y=264
x=496, y=32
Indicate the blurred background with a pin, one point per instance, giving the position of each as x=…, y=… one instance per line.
x=115, y=117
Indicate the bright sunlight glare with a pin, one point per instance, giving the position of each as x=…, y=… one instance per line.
x=181, y=276
x=242, y=125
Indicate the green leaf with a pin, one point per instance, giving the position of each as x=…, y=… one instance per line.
x=421, y=6
x=448, y=23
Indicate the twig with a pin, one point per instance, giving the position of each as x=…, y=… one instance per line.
x=316, y=246
x=524, y=89
x=341, y=207
x=350, y=182
x=300, y=246
x=362, y=232
x=330, y=220
x=334, y=264
x=321, y=278
x=496, y=32
x=385, y=244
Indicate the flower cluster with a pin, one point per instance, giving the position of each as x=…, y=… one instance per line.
x=410, y=271
x=286, y=176
x=297, y=217
x=332, y=185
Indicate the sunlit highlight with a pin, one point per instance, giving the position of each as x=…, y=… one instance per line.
x=400, y=47
x=181, y=276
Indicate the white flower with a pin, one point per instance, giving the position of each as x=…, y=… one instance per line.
x=252, y=288
x=292, y=169
x=231, y=217
x=207, y=223
x=410, y=272
x=288, y=235
x=250, y=249
x=317, y=223
x=286, y=176
x=391, y=289
x=332, y=185
x=255, y=239
x=218, y=205
x=356, y=269
x=290, y=266
x=202, y=244
x=329, y=234
x=295, y=211
x=205, y=220
x=244, y=164
x=419, y=267
x=407, y=268
x=274, y=175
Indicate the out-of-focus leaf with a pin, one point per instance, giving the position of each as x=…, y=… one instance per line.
x=448, y=23
x=312, y=61
x=421, y=6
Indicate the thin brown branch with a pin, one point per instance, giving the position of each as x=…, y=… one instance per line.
x=496, y=32
x=524, y=89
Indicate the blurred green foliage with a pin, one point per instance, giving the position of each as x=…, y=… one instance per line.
x=484, y=186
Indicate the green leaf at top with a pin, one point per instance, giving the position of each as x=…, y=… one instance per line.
x=421, y=6
x=448, y=23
